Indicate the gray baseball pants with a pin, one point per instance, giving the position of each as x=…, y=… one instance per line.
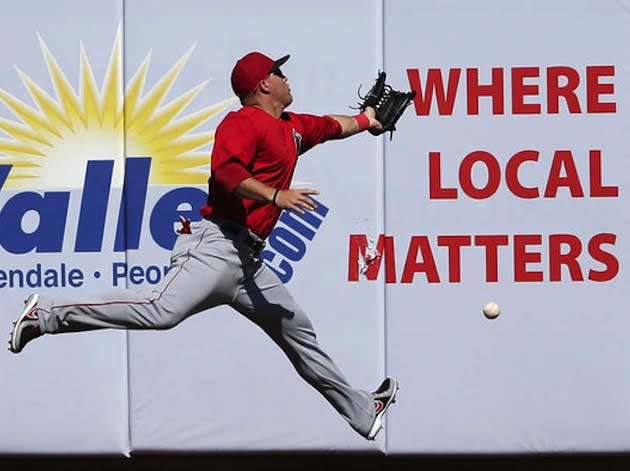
x=210, y=267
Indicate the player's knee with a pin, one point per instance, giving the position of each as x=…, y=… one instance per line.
x=164, y=319
x=305, y=326
x=299, y=329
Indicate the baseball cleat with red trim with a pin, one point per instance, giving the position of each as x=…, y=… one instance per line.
x=384, y=396
x=26, y=327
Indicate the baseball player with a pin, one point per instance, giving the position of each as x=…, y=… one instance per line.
x=217, y=260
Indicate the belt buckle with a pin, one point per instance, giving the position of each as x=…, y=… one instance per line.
x=258, y=245
x=255, y=242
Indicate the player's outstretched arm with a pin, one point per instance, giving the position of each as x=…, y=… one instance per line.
x=351, y=125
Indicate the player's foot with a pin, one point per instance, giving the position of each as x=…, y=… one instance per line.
x=384, y=396
x=26, y=327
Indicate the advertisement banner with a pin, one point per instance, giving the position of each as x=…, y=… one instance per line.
x=508, y=184
x=216, y=381
x=60, y=140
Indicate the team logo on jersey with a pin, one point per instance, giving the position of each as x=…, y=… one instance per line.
x=297, y=137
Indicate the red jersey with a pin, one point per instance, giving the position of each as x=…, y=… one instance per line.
x=252, y=143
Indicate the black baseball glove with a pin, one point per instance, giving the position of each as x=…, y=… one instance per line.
x=389, y=104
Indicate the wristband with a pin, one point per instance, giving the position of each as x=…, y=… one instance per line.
x=362, y=121
x=275, y=195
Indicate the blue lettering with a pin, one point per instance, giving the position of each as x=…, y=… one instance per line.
x=153, y=274
x=289, y=218
x=132, y=203
x=287, y=244
x=52, y=209
x=119, y=272
x=137, y=274
x=4, y=173
x=292, y=219
x=75, y=278
x=97, y=184
x=42, y=277
x=284, y=270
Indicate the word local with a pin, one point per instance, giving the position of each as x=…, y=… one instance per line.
x=563, y=173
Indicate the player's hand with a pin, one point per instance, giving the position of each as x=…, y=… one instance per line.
x=297, y=199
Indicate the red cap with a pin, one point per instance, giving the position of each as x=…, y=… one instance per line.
x=251, y=69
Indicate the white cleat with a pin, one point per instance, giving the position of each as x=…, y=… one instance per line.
x=26, y=327
x=384, y=397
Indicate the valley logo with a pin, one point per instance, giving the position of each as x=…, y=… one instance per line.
x=86, y=173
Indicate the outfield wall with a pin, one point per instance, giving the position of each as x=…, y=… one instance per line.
x=505, y=181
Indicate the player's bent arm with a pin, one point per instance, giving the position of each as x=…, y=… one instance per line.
x=254, y=189
x=351, y=125
x=296, y=199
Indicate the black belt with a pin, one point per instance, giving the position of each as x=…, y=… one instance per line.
x=241, y=233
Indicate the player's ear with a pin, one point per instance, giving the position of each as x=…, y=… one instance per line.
x=264, y=86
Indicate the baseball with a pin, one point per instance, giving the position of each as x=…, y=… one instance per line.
x=491, y=310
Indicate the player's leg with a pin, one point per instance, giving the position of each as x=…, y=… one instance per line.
x=265, y=300
x=200, y=276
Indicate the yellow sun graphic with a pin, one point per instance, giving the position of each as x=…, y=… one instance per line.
x=50, y=144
